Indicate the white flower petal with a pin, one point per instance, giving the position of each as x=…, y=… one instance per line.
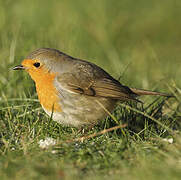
x=47, y=142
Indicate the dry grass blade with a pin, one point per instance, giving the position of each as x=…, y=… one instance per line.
x=81, y=139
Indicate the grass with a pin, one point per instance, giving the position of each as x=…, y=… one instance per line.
x=138, y=42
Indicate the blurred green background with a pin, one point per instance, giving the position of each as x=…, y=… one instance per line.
x=139, y=41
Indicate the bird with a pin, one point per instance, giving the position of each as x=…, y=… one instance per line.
x=75, y=92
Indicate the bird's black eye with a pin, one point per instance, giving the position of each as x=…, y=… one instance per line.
x=37, y=64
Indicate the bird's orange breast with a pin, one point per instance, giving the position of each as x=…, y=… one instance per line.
x=47, y=93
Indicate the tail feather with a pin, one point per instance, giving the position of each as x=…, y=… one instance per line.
x=140, y=92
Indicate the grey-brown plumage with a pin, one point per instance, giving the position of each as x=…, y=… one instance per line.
x=85, y=77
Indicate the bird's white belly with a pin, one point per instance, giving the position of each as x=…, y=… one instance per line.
x=78, y=110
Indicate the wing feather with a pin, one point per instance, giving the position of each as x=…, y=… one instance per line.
x=101, y=87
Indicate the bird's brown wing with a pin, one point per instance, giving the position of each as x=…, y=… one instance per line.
x=100, y=86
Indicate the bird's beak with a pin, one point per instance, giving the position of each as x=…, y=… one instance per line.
x=19, y=67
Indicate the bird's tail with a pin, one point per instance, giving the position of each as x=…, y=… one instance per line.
x=141, y=92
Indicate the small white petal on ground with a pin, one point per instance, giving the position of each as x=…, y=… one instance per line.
x=46, y=143
x=169, y=140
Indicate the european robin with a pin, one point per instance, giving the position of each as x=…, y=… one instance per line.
x=69, y=89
